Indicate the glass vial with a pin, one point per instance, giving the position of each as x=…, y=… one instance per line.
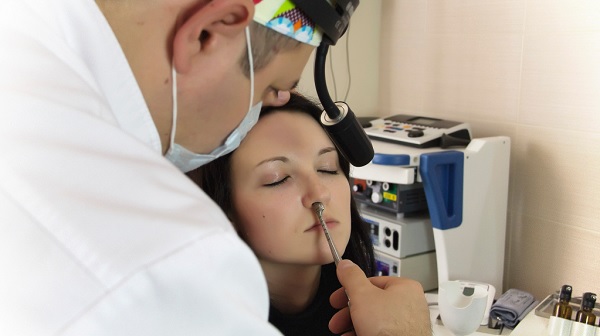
x=586, y=313
x=562, y=308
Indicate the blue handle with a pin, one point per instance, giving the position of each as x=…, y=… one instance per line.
x=391, y=159
x=443, y=178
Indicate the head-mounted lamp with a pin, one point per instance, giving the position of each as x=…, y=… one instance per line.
x=338, y=119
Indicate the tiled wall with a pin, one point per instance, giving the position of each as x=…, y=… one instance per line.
x=529, y=69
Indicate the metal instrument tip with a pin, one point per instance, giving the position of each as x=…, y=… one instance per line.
x=318, y=207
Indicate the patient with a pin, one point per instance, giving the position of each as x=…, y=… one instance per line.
x=267, y=187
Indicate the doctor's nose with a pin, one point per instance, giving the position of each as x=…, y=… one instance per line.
x=276, y=98
x=315, y=191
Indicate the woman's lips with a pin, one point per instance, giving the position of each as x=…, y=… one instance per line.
x=318, y=227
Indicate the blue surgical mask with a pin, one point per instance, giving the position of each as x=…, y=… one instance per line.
x=187, y=160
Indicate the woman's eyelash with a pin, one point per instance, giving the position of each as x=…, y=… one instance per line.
x=332, y=172
x=283, y=180
x=276, y=183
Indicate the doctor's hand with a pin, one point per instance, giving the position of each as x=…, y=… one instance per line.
x=379, y=305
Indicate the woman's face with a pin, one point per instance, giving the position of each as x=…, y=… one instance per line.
x=284, y=165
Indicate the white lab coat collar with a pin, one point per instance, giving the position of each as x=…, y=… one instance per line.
x=103, y=56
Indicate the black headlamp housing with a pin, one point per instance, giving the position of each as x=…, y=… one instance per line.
x=338, y=119
x=333, y=19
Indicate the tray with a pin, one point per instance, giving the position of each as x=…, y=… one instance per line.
x=545, y=308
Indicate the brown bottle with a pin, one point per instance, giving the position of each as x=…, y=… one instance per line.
x=586, y=313
x=562, y=308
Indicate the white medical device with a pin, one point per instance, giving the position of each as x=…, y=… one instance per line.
x=417, y=131
x=466, y=193
x=469, y=286
x=464, y=305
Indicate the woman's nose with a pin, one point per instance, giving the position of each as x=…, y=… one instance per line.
x=316, y=191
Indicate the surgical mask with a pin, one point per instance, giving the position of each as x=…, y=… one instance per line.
x=187, y=160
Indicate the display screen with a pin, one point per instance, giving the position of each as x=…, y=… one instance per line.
x=374, y=230
x=423, y=121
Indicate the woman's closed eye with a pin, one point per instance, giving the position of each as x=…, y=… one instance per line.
x=276, y=183
x=329, y=171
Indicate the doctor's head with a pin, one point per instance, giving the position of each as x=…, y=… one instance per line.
x=279, y=48
x=202, y=46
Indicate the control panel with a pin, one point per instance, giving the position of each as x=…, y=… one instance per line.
x=418, y=131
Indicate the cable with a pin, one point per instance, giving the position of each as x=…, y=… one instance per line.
x=335, y=95
x=348, y=63
x=335, y=91
x=321, y=83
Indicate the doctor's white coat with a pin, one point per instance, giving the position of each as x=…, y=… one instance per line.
x=100, y=235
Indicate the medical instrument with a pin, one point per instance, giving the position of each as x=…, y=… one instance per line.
x=318, y=207
x=461, y=231
x=462, y=306
x=419, y=131
x=337, y=119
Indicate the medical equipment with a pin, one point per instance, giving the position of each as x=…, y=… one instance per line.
x=418, y=131
x=338, y=119
x=318, y=207
x=466, y=192
x=463, y=306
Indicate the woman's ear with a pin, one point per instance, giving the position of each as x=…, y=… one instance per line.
x=209, y=27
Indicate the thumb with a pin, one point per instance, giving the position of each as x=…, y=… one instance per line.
x=351, y=277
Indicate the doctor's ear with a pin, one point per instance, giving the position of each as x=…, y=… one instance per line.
x=209, y=28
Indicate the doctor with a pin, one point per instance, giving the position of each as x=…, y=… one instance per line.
x=101, y=234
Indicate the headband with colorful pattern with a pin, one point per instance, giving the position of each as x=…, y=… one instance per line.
x=283, y=17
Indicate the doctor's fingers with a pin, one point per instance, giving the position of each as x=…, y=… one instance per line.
x=341, y=322
x=339, y=299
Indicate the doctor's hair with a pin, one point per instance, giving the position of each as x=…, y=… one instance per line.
x=215, y=179
x=266, y=43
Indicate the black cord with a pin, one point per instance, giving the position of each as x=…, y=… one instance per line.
x=321, y=84
x=348, y=63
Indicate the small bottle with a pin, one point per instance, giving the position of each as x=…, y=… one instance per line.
x=562, y=308
x=586, y=313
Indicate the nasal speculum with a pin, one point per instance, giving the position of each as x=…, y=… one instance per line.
x=318, y=207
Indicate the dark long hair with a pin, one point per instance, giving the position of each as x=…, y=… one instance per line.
x=215, y=179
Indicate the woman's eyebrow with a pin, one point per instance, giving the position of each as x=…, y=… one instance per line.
x=285, y=159
x=276, y=158
x=326, y=150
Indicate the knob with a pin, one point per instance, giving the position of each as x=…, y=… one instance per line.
x=415, y=133
x=376, y=197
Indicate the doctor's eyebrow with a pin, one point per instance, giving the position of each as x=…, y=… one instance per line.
x=291, y=87
x=295, y=85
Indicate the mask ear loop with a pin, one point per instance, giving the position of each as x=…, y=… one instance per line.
x=174, y=86
x=251, y=62
x=174, y=123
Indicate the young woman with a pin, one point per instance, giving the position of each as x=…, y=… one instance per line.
x=267, y=187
